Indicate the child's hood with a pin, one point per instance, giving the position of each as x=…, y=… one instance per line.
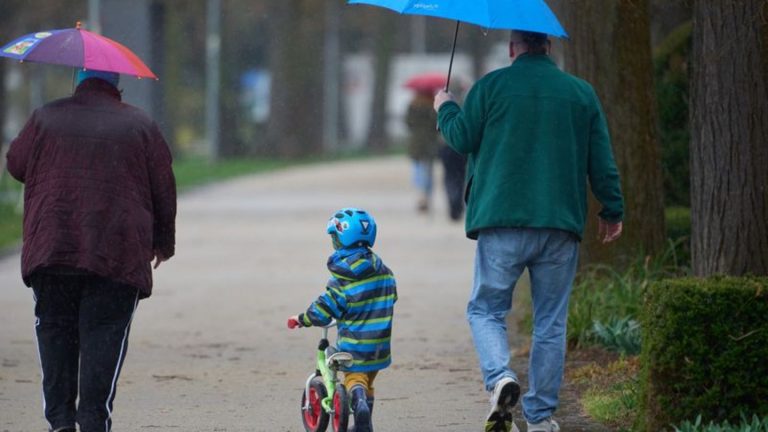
x=357, y=263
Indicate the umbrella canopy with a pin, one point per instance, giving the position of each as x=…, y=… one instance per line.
x=527, y=15
x=427, y=82
x=78, y=48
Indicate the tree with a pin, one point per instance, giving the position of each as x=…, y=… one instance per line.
x=383, y=50
x=245, y=41
x=729, y=126
x=295, y=123
x=610, y=47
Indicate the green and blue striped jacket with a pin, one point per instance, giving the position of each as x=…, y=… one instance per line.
x=361, y=296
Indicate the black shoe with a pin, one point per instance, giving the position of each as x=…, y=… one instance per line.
x=360, y=410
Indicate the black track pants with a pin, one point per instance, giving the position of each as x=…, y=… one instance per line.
x=82, y=330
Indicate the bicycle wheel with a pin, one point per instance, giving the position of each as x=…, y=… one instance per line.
x=340, y=409
x=313, y=417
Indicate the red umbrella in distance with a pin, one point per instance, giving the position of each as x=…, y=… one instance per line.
x=429, y=82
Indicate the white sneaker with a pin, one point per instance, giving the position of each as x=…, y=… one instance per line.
x=505, y=394
x=548, y=425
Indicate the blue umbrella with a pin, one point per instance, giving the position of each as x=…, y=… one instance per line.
x=526, y=15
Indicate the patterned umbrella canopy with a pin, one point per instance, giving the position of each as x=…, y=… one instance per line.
x=78, y=48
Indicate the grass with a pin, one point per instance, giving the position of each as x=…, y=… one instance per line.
x=612, y=392
x=10, y=216
x=190, y=172
x=10, y=225
x=193, y=172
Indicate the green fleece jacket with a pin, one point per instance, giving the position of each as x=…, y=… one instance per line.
x=535, y=136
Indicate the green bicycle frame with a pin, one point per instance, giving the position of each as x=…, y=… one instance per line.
x=329, y=375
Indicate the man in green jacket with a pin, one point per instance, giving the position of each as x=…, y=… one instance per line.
x=534, y=136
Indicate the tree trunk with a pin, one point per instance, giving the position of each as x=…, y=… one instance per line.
x=295, y=122
x=610, y=47
x=729, y=126
x=383, y=48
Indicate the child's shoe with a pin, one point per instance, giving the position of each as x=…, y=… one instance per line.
x=548, y=425
x=503, y=400
x=360, y=410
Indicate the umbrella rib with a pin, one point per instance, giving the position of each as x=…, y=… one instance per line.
x=82, y=41
x=490, y=17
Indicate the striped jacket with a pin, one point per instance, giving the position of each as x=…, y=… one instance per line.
x=360, y=295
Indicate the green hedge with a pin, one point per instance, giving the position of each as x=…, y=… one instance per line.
x=705, y=350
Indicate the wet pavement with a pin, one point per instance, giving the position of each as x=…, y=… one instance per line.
x=209, y=351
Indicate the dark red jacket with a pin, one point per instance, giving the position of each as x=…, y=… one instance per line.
x=100, y=194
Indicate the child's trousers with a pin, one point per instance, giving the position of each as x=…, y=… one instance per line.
x=365, y=379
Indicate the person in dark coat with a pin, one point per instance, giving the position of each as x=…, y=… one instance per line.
x=423, y=145
x=454, y=171
x=99, y=206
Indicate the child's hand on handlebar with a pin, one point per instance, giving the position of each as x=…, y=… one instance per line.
x=294, y=322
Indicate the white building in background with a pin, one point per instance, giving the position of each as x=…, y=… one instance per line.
x=358, y=81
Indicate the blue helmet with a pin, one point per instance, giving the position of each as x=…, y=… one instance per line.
x=352, y=227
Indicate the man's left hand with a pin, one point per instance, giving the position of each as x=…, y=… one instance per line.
x=608, y=232
x=442, y=97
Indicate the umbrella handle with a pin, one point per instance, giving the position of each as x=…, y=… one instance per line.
x=453, y=52
x=450, y=65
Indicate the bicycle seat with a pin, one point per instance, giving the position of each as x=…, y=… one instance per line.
x=339, y=359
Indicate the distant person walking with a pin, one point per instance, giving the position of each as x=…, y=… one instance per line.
x=534, y=136
x=99, y=206
x=454, y=172
x=423, y=145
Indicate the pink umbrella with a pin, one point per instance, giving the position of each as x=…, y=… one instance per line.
x=78, y=48
x=427, y=82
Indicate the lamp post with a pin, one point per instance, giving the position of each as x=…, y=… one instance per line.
x=94, y=16
x=212, y=78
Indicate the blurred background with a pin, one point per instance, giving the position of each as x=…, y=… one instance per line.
x=282, y=78
x=305, y=79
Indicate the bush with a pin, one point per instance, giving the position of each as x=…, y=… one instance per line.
x=678, y=222
x=705, y=345
x=671, y=69
x=756, y=425
x=601, y=294
x=621, y=335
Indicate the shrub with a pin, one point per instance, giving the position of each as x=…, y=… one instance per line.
x=705, y=345
x=602, y=294
x=671, y=68
x=621, y=335
x=678, y=222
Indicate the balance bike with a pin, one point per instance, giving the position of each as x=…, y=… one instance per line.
x=324, y=397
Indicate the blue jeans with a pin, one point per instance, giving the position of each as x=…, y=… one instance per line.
x=551, y=257
x=423, y=175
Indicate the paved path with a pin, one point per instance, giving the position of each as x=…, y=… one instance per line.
x=210, y=351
